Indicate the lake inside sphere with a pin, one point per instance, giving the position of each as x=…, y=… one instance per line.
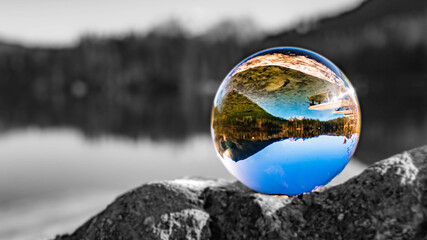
x=285, y=121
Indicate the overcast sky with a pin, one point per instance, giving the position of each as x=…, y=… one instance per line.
x=63, y=21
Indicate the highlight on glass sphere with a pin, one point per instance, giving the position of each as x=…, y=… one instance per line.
x=285, y=121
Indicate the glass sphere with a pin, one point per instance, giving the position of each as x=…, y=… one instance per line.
x=285, y=121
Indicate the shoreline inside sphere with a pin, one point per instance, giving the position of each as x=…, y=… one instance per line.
x=285, y=121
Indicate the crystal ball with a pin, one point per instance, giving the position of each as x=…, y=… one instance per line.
x=285, y=121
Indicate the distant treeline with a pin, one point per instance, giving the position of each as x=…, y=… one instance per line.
x=162, y=85
x=238, y=118
x=156, y=85
x=284, y=129
x=243, y=139
x=242, y=128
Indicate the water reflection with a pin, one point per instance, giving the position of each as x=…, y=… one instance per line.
x=277, y=96
x=39, y=163
x=51, y=181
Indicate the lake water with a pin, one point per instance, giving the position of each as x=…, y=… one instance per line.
x=51, y=181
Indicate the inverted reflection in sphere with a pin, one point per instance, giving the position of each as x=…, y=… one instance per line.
x=285, y=121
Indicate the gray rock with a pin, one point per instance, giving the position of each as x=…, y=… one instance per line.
x=386, y=201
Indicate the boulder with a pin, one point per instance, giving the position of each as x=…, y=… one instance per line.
x=386, y=201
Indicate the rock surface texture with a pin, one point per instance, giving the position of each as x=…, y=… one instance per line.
x=386, y=201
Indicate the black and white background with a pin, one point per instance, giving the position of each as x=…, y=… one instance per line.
x=97, y=97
